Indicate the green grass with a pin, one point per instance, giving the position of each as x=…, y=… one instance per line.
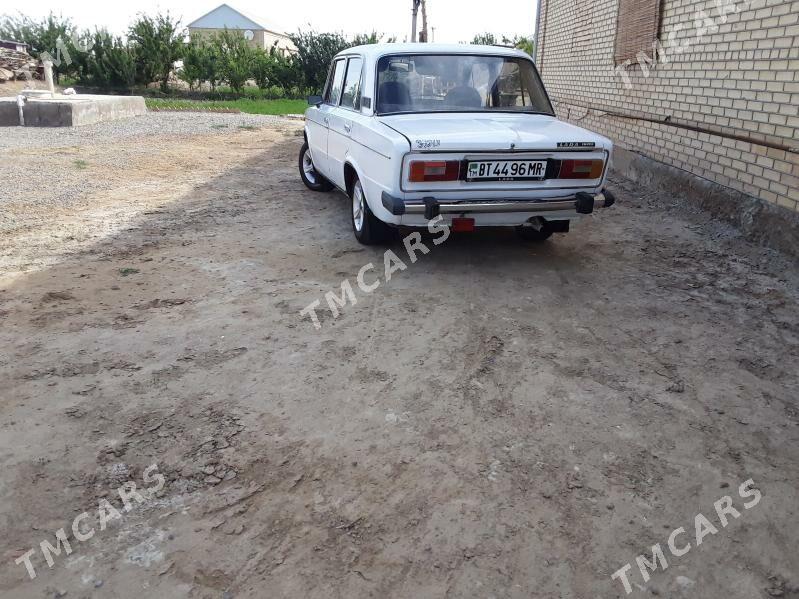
x=276, y=107
x=81, y=164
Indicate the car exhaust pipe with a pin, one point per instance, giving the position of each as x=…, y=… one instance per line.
x=584, y=202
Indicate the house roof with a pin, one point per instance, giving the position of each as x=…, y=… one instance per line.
x=225, y=16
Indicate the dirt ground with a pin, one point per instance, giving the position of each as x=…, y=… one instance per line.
x=499, y=420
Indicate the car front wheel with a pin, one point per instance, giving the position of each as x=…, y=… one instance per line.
x=312, y=179
x=368, y=229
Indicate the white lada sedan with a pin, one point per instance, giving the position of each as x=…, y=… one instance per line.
x=411, y=132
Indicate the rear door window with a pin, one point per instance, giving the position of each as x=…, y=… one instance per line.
x=351, y=97
x=333, y=92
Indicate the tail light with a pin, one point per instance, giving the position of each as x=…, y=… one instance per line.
x=581, y=169
x=434, y=170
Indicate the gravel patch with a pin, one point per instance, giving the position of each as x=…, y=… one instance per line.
x=51, y=168
x=151, y=124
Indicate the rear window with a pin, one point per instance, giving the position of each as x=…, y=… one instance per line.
x=459, y=83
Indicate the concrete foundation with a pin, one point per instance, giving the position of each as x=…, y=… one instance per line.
x=70, y=111
x=759, y=221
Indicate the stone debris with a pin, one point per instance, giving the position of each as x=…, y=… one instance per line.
x=676, y=387
x=17, y=65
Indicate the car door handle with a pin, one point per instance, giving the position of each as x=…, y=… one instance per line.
x=348, y=128
x=327, y=121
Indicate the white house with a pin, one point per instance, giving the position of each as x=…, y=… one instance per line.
x=257, y=31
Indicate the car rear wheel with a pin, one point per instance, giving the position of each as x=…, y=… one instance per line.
x=312, y=179
x=368, y=229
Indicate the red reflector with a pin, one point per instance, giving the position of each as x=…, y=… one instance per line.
x=434, y=170
x=462, y=225
x=581, y=169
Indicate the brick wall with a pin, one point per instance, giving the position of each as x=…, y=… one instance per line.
x=725, y=108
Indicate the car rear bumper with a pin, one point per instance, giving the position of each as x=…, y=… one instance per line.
x=581, y=203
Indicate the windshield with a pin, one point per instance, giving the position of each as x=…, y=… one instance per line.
x=459, y=83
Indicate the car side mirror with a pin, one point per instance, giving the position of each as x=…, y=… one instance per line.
x=314, y=100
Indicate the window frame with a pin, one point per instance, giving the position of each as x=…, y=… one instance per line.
x=350, y=58
x=626, y=31
x=479, y=54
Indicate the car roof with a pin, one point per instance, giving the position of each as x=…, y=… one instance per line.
x=375, y=51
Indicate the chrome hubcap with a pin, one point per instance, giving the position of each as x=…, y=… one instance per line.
x=307, y=167
x=358, y=207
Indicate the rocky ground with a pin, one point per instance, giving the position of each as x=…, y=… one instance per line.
x=498, y=420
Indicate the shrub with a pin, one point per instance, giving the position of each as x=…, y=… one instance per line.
x=274, y=92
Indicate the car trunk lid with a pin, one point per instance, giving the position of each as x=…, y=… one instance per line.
x=490, y=132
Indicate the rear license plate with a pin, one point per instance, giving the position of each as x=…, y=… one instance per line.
x=506, y=170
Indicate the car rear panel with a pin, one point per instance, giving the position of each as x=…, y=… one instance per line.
x=551, y=185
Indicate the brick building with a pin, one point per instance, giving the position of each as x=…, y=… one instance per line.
x=254, y=30
x=710, y=87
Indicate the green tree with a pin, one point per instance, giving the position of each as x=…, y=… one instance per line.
x=236, y=58
x=264, y=68
x=485, y=39
x=157, y=43
x=50, y=36
x=109, y=64
x=276, y=68
x=286, y=71
x=374, y=37
x=517, y=41
x=315, y=52
x=83, y=56
x=200, y=64
x=527, y=44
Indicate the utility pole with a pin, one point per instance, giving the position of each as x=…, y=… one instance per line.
x=414, y=13
x=423, y=33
